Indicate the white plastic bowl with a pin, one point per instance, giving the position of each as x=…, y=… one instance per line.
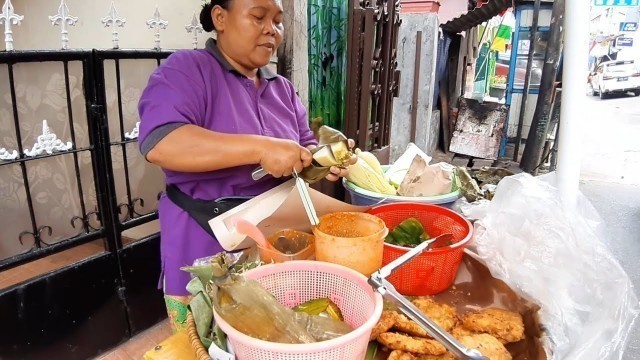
x=363, y=197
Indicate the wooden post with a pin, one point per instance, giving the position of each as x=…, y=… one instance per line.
x=293, y=54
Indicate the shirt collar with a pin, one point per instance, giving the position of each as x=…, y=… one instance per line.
x=212, y=48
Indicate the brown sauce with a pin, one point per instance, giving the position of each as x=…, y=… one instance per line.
x=350, y=225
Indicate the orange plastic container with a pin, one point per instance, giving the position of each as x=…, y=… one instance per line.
x=351, y=239
x=432, y=271
x=298, y=245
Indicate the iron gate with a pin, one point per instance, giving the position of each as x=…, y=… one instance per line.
x=85, y=308
x=372, y=75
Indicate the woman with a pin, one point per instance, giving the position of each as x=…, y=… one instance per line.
x=208, y=118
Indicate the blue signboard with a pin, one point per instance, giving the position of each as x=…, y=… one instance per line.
x=628, y=26
x=624, y=42
x=616, y=2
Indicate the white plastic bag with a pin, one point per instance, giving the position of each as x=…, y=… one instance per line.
x=218, y=354
x=556, y=258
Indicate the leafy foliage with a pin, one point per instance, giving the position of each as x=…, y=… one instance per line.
x=327, y=60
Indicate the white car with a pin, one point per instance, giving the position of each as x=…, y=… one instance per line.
x=619, y=76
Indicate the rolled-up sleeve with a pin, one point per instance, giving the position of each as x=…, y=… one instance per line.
x=174, y=96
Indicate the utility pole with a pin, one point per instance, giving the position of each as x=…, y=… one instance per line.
x=572, y=111
x=539, y=125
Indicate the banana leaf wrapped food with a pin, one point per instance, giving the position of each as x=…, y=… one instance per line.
x=250, y=309
x=321, y=307
x=333, y=150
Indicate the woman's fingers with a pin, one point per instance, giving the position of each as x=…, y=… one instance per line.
x=335, y=173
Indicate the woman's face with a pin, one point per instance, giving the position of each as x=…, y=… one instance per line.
x=249, y=31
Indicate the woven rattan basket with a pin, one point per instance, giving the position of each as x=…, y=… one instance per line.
x=194, y=339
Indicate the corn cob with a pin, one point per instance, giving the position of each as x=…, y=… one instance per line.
x=371, y=160
x=364, y=176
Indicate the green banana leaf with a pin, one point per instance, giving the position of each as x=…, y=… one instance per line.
x=202, y=310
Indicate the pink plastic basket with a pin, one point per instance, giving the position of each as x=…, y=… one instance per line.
x=295, y=282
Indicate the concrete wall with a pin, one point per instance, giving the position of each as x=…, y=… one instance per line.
x=294, y=50
x=401, y=124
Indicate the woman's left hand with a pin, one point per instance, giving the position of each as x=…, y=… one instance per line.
x=335, y=173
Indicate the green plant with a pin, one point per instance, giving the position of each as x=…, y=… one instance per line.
x=327, y=60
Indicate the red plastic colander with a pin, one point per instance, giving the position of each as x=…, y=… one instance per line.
x=432, y=271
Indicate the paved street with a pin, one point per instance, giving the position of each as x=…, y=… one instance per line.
x=619, y=207
x=611, y=133
x=611, y=181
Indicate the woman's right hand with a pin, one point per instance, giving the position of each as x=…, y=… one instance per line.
x=279, y=157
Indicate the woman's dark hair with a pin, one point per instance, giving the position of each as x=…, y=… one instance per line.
x=205, y=13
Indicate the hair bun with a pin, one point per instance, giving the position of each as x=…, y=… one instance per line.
x=205, y=17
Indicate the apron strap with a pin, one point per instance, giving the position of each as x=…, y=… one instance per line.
x=202, y=210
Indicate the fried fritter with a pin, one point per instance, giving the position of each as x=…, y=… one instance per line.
x=400, y=355
x=386, y=322
x=488, y=345
x=408, y=326
x=410, y=344
x=403, y=355
x=505, y=325
x=445, y=356
x=442, y=314
x=460, y=331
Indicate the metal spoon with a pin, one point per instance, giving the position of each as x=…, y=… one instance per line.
x=258, y=173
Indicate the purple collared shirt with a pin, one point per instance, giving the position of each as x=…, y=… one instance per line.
x=200, y=87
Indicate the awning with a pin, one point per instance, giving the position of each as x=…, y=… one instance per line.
x=476, y=16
